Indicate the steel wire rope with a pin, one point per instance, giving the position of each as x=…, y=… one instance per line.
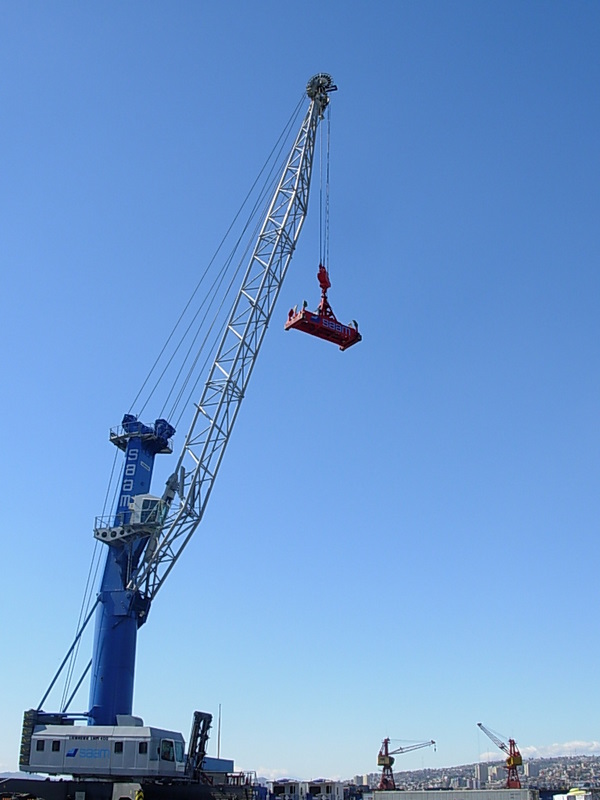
x=324, y=194
x=95, y=561
x=327, y=184
x=321, y=254
x=265, y=192
x=261, y=203
x=226, y=295
x=212, y=348
x=87, y=598
x=217, y=283
x=215, y=289
x=282, y=136
x=213, y=293
x=324, y=159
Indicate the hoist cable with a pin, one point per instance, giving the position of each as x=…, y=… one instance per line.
x=324, y=159
x=321, y=254
x=327, y=188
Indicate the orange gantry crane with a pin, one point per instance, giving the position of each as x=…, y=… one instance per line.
x=513, y=760
x=385, y=759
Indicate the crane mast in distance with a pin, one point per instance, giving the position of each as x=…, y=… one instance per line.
x=514, y=758
x=147, y=533
x=385, y=759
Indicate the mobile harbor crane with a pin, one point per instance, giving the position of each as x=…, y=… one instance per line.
x=385, y=759
x=147, y=533
x=513, y=760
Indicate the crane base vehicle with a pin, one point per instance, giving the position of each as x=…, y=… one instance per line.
x=128, y=754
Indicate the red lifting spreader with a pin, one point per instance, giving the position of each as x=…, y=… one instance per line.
x=322, y=322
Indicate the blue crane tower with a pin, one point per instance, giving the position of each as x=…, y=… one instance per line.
x=121, y=610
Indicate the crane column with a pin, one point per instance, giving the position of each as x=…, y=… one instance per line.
x=122, y=611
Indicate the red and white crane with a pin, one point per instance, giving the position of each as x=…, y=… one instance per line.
x=513, y=760
x=385, y=759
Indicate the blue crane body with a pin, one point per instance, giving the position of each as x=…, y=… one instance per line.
x=121, y=611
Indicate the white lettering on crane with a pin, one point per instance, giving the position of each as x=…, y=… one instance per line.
x=336, y=326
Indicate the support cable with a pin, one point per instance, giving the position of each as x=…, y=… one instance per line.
x=267, y=190
x=278, y=146
x=213, y=292
x=85, y=603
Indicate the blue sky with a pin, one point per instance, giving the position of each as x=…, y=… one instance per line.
x=403, y=538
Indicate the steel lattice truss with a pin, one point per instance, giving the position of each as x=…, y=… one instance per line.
x=224, y=390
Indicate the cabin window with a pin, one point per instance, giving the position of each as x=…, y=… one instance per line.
x=148, y=511
x=55, y=745
x=166, y=750
x=39, y=745
x=143, y=748
x=118, y=747
x=178, y=751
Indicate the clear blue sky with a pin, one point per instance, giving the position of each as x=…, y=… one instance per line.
x=403, y=539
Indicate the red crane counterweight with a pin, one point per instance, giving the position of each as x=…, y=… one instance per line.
x=323, y=322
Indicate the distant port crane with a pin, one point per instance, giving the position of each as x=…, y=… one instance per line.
x=385, y=759
x=514, y=759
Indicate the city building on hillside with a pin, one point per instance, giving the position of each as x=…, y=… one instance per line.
x=481, y=775
x=319, y=789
